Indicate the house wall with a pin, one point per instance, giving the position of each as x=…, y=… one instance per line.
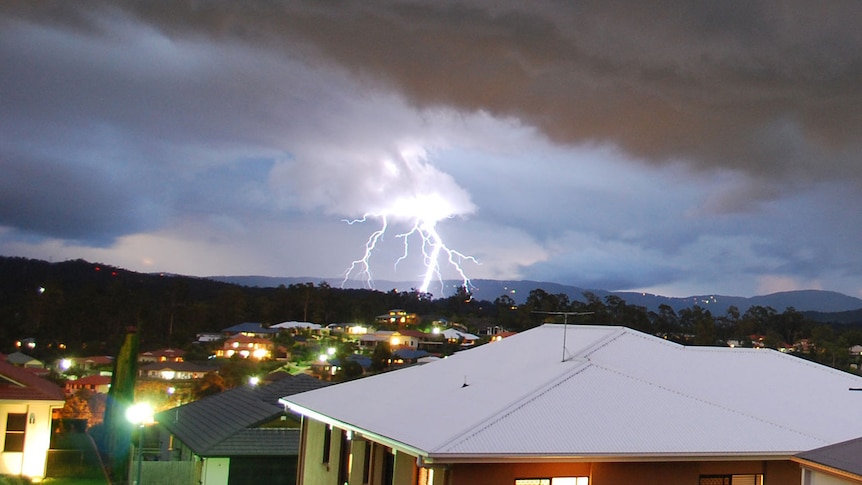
x=659, y=473
x=314, y=470
x=406, y=472
x=37, y=438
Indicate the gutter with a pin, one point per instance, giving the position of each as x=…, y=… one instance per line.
x=384, y=440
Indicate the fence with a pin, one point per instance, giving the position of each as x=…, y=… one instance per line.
x=164, y=473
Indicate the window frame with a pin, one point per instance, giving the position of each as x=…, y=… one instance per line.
x=16, y=428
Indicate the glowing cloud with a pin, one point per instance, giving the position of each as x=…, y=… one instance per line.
x=417, y=195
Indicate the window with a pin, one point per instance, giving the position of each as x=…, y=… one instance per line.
x=366, y=462
x=16, y=427
x=343, y=458
x=731, y=480
x=327, y=441
x=553, y=481
x=388, y=467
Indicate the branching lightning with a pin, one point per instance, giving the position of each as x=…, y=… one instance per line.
x=402, y=189
x=432, y=249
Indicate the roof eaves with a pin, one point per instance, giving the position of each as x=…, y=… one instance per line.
x=452, y=458
x=827, y=469
x=385, y=440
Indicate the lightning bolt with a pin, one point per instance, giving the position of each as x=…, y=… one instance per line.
x=432, y=249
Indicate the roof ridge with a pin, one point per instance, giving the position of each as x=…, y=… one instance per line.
x=601, y=343
x=581, y=357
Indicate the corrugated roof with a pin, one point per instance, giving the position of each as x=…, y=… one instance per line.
x=225, y=424
x=617, y=393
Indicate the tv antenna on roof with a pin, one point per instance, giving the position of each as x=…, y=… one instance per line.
x=565, y=325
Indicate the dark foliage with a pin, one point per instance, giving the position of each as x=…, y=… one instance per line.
x=88, y=306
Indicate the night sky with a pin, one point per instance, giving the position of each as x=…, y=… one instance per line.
x=672, y=147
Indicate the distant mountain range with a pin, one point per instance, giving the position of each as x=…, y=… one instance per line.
x=812, y=301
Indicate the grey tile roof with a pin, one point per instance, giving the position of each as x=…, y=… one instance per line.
x=845, y=456
x=225, y=424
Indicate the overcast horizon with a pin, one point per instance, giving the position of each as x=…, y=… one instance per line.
x=678, y=148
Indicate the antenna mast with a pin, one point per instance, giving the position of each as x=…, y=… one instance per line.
x=565, y=325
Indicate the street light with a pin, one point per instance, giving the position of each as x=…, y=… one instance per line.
x=140, y=414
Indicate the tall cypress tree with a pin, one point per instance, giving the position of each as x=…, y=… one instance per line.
x=118, y=430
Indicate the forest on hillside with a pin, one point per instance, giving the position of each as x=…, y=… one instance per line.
x=84, y=308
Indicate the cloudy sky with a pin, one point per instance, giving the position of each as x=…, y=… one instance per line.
x=673, y=147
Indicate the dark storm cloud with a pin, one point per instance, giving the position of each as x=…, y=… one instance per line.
x=770, y=88
x=682, y=134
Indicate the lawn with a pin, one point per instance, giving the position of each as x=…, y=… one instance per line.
x=74, y=481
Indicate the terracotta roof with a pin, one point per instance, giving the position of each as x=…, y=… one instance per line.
x=17, y=383
x=97, y=359
x=91, y=380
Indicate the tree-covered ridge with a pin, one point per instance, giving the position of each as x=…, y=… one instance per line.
x=87, y=307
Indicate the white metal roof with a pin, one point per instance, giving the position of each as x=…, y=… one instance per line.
x=618, y=393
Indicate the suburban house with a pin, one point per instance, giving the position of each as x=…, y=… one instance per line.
x=239, y=436
x=247, y=346
x=294, y=326
x=93, y=383
x=23, y=360
x=169, y=371
x=464, y=339
x=27, y=403
x=397, y=317
x=94, y=362
x=249, y=329
x=578, y=405
x=161, y=355
x=838, y=464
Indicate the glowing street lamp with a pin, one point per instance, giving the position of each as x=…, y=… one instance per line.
x=140, y=414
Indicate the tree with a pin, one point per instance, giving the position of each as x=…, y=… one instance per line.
x=380, y=357
x=350, y=369
x=211, y=383
x=121, y=396
x=666, y=320
x=77, y=406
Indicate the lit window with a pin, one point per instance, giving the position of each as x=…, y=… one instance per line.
x=570, y=481
x=16, y=427
x=731, y=480
x=553, y=481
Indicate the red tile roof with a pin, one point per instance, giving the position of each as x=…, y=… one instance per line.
x=17, y=383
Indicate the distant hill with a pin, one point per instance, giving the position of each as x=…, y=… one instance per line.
x=818, y=301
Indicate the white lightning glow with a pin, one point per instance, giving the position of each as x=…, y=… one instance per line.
x=401, y=189
x=432, y=249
